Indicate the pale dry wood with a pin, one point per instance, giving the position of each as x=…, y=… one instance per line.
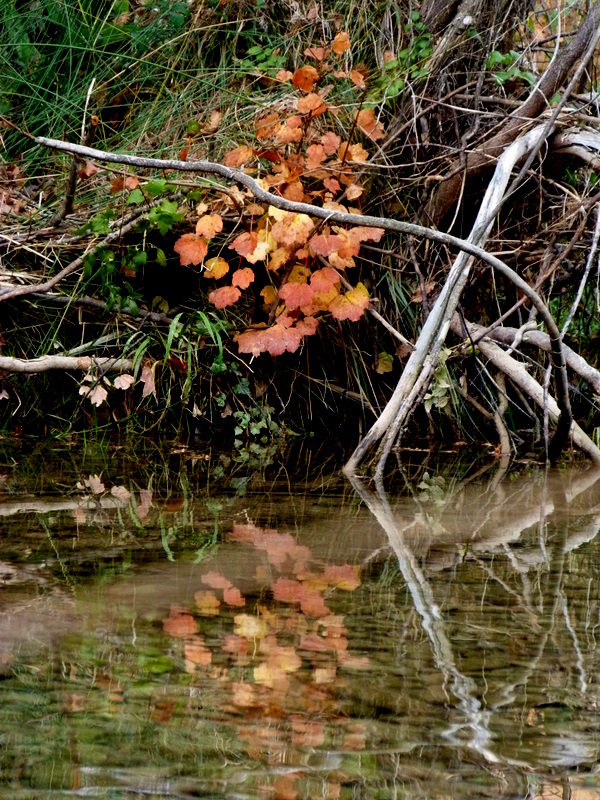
x=46, y=363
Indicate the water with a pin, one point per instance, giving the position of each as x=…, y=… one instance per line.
x=164, y=636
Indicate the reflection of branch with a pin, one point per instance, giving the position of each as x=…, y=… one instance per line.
x=462, y=687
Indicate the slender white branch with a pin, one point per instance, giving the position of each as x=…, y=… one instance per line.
x=45, y=363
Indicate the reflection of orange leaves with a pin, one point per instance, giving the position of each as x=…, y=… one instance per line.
x=322, y=280
x=225, y=296
x=356, y=738
x=365, y=119
x=285, y=786
x=308, y=732
x=250, y=627
x=345, y=577
x=179, y=625
x=310, y=103
x=238, y=156
x=207, y=603
x=351, y=305
x=246, y=533
x=286, y=590
x=313, y=643
x=209, y=225
x=305, y=78
x=191, y=249
x=162, y=710
x=242, y=277
x=318, y=53
x=196, y=654
x=215, y=580
x=215, y=268
x=360, y=663
x=324, y=675
x=267, y=126
x=341, y=43
x=313, y=605
x=285, y=659
x=237, y=646
x=296, y=295
x=233, y=597
x=243, y=695
x=270, y=676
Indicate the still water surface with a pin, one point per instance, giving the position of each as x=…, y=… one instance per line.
x=190, y=630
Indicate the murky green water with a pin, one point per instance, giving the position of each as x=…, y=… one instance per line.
x=174, y=626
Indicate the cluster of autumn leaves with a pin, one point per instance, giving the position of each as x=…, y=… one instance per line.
x=285, y=654
x=302, y=259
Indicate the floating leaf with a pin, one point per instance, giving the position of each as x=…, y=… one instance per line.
x=225, y=296
x=191, y=249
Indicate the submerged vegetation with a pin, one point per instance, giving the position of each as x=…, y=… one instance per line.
x=271, y=219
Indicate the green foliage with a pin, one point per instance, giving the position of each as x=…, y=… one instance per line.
x=505, y=68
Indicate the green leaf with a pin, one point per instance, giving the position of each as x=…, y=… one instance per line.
x=161, y=258
x=135, y=197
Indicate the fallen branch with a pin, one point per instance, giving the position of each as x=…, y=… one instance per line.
x=423, y=361
x=516, y=371
x=46, y=363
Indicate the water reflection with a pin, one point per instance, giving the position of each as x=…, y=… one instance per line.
x=298, y=644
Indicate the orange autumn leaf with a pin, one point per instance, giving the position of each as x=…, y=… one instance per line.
x=341, y=43
x=358, y=79
x=292, y=229
x=215, y=268
x=191, y=249
x=242, y=277
x=352, y=152
x=354, y=191
x=284, y=75
x=238, y=156
x=225, y=296
x=296, y=295
x=305, y=78
x=318, y=53
x=294, y=192
x=365, y=119
x=322, y=280
x=311, y=102
x=209, y=225
x=267, y=126
x=315, y=155
x=331, y=142
x=278, y=258
x=88, y=169
x=245, y=243
x=331, y=184
x=351, y=305
x=324, y=244
x=123, y=182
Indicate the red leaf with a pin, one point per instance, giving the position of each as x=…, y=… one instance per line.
x=242, y=277
x=325, y=244
x=296, y=295
x=245, y=243
x=209, y=225
x=225, y=296
x=287, y=591
x=191, y=248
x=184, y=153
x=322, y=280
x=179, y=625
